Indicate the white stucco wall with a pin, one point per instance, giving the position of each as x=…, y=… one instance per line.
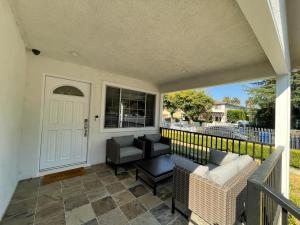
x=12, y=83
x=37, y=67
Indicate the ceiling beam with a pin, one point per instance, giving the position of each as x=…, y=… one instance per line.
x=268, y=21
x=242, y=74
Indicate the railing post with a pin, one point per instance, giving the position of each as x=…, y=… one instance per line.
x=253, y=209
x=284, y=215
x=282, y=126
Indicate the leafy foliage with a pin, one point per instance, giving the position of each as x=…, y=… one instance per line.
x=233, y=115
x=263, y=95
x=195, y=103
x=234, y=101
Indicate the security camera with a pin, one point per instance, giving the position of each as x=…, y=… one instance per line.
x=35, y=51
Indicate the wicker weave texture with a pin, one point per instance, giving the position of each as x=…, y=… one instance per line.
x=216, y=204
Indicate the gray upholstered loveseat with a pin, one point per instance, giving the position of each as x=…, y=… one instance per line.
x=216, y=193
x=124, y=149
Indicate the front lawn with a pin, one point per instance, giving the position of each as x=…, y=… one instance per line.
x=294, y=195
x=195, y=141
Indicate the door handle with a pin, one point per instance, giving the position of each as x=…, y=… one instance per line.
x=86, y=127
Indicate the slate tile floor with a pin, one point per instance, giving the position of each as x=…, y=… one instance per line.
x=98, y=198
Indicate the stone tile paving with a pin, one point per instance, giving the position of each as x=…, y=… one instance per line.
x=97, y=198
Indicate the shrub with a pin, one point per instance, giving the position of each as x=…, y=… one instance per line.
x=295, y=158
x=233, y=115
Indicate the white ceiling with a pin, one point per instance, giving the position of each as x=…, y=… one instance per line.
x=155, y=40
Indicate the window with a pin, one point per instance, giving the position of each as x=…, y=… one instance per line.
x=68, y=90
x=127, y=108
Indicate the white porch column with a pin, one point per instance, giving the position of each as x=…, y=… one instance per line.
x=282, y=126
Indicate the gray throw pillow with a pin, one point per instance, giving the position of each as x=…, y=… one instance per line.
x=220, y=158
x=153, y=137
x=124, y=141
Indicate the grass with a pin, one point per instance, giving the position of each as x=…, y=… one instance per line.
x=294, y=195
x=192, y=141
x=196, y=145
x=295, y=159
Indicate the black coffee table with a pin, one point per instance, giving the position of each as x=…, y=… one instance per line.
x=155, y=170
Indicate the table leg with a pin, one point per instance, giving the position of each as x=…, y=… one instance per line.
x=154, y=188
x=173, y=205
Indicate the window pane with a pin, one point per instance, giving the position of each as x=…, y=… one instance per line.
x=150, y=110
x=132, y=113
x=68, y=90
x=112, y=107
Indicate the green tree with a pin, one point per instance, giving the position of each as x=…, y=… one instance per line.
x=233, y=115
x=171, y=102
x=195, y=103
x=263, y=95
x=234, y=101
x=227, y=99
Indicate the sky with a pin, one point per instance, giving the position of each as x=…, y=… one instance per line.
x=230, y=90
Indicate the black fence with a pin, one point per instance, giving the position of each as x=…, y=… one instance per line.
x=253, y=134
x=196, y=146
x=265, y=203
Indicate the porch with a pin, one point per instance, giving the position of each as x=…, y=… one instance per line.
x=108, y=52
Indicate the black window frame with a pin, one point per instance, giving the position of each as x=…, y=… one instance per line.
x=140, y=98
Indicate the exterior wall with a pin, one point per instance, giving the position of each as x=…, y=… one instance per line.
x=38, y=66
x=12, y=83
x=221, y=110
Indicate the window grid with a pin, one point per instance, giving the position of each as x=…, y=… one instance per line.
x=133, y=109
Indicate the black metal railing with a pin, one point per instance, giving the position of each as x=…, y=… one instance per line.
x=265, y=203
x=196, y=146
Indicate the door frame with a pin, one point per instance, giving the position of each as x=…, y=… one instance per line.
x=67, y=167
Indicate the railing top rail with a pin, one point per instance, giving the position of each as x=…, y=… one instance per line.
x=262, y=173
x=259, y=177
x=211, y=135
x=281, y=200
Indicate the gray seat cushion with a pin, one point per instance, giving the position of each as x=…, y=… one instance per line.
x=160, y=147
x=222, y=174
x=185, y=163
x=130, y=151
x=124, y=141
x=153, y=137
x=221, y=158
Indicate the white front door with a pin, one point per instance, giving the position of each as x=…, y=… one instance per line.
x=65, y=123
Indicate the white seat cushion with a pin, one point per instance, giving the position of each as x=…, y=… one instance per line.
x=222, y=174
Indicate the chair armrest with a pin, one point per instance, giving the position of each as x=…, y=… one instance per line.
x=165, y=140
x=149, y=143
x=139, y=143
x=181, y=186
x=113, y=151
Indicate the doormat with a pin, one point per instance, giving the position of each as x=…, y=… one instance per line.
x=51, y=178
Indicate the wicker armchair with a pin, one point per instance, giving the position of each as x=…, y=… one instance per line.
x=222, y=205
x=195, y=192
